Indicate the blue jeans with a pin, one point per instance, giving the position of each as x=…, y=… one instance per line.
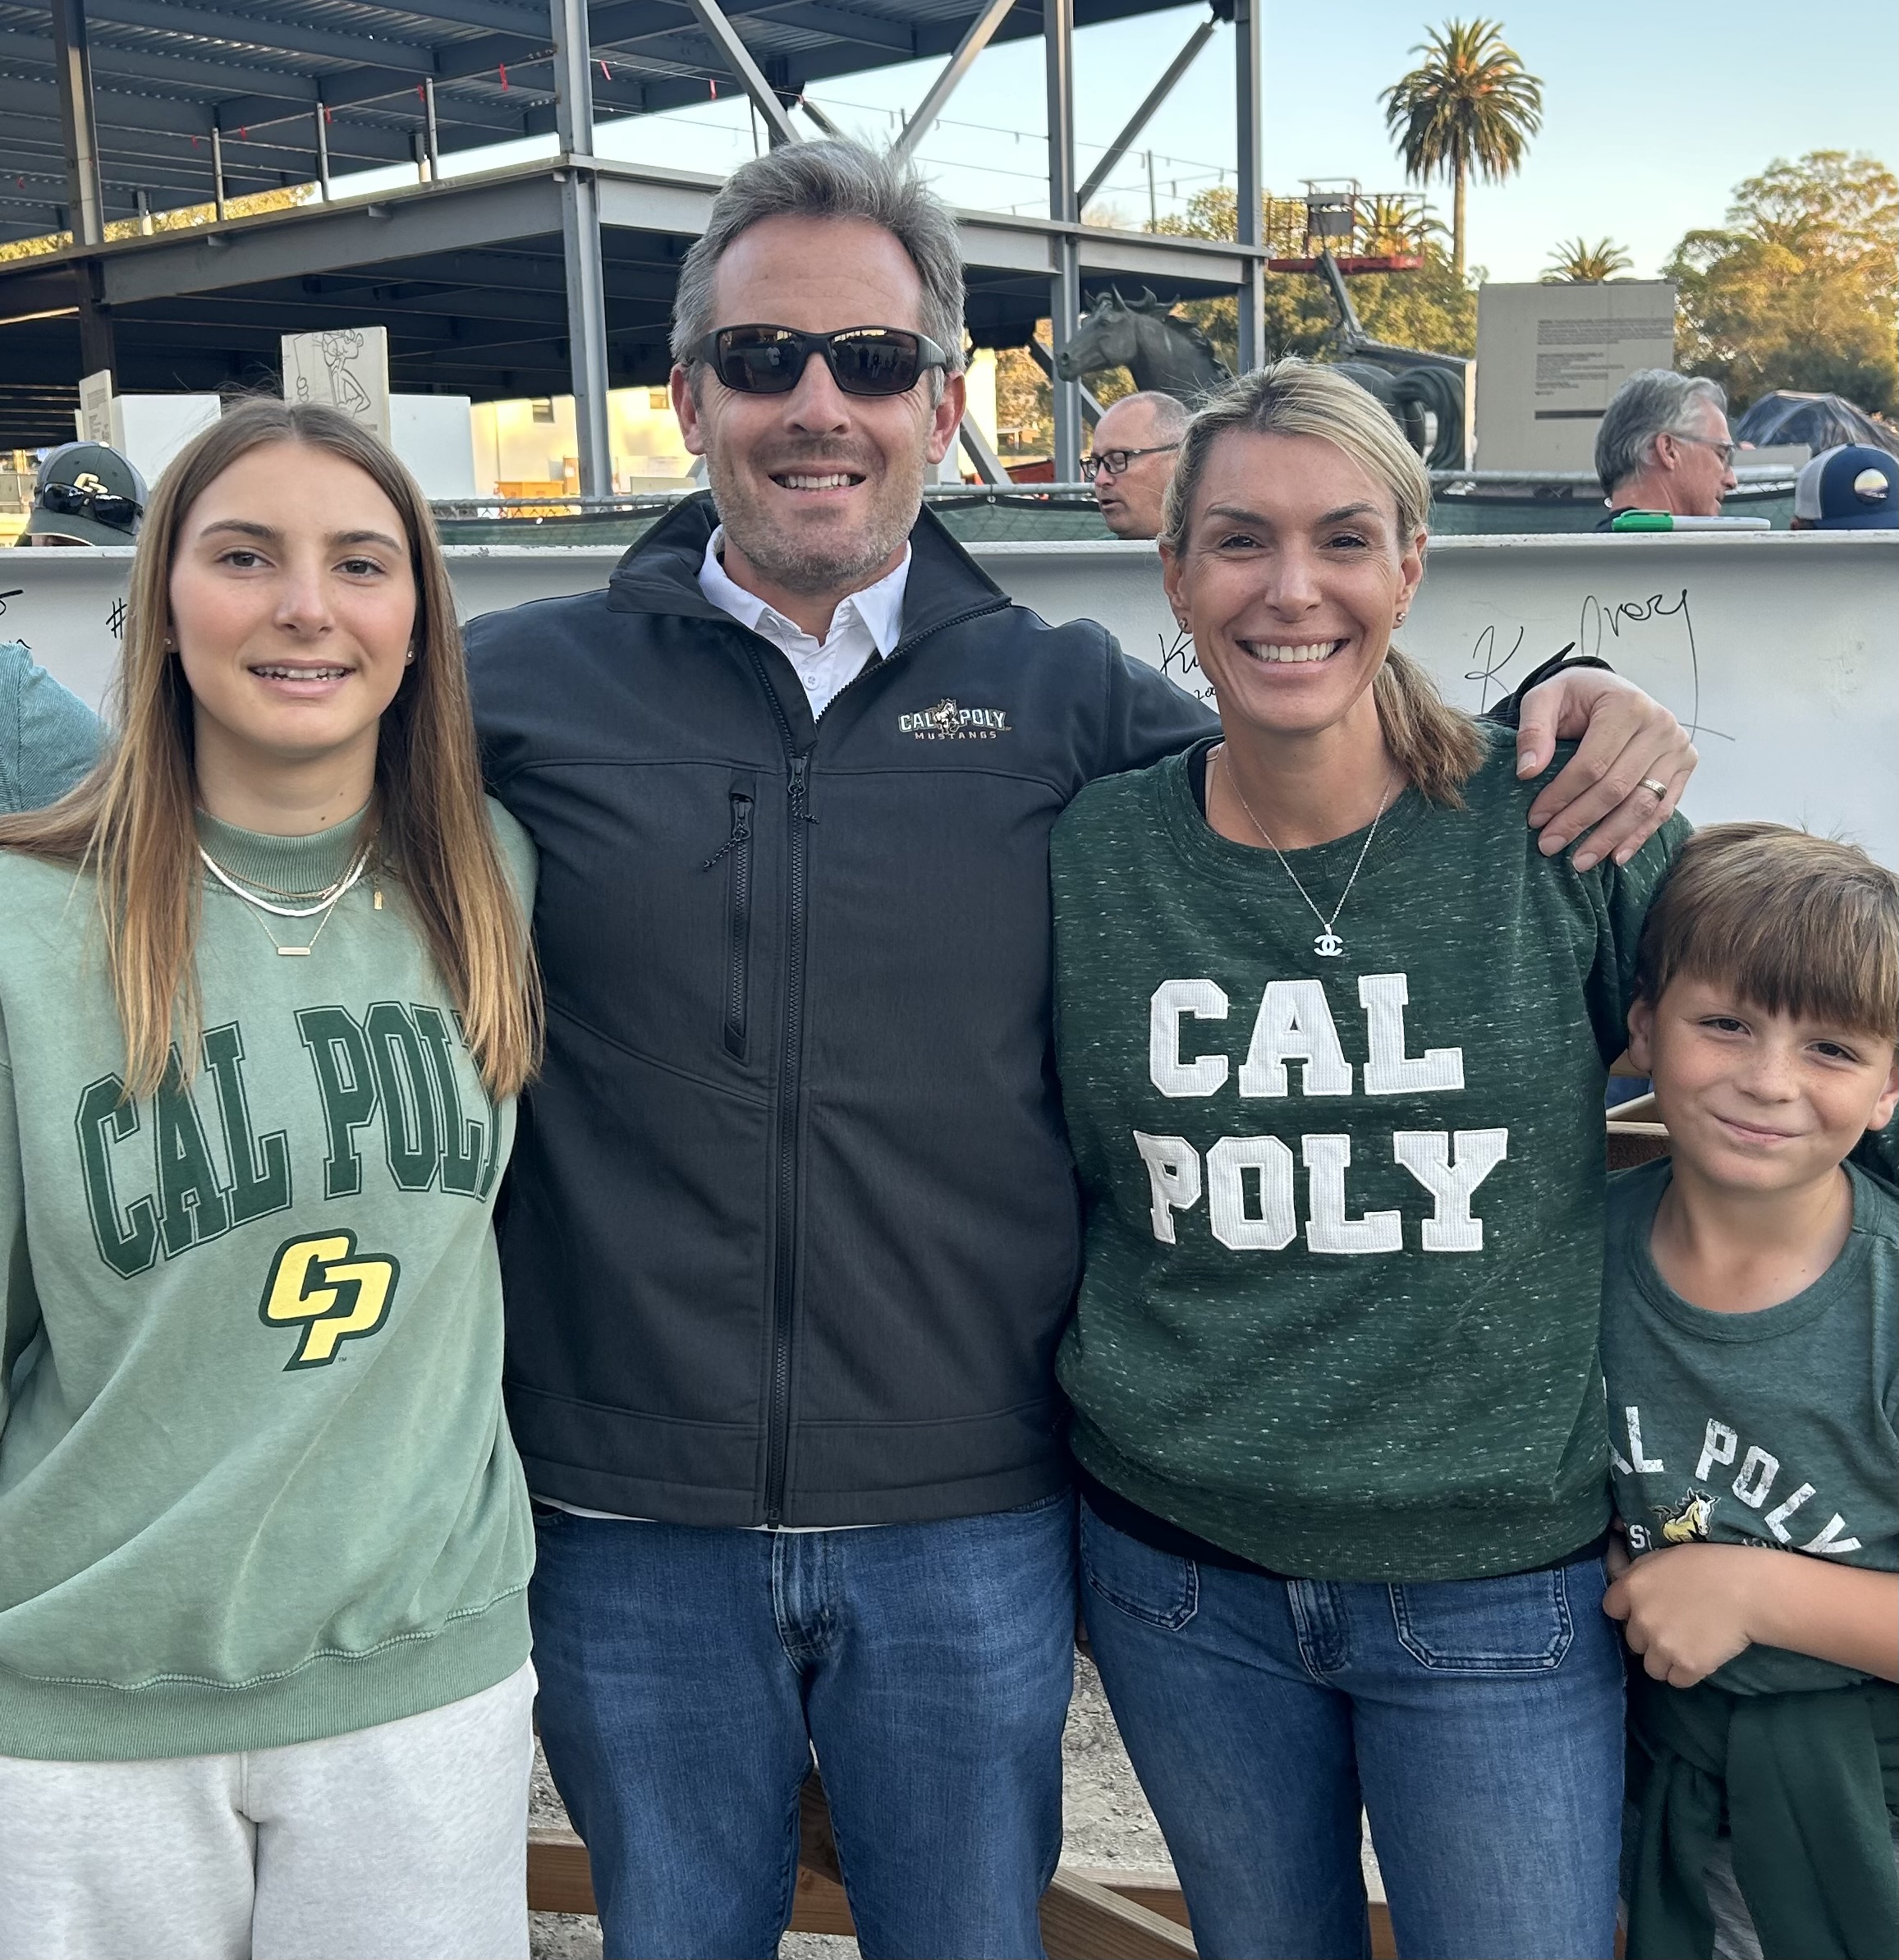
x=687, y=1674
x=1479, y=1722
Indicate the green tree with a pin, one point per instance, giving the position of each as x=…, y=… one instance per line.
x=1433, y=308
x=1470, y=105
x=1575, y=262
x=1798, y=290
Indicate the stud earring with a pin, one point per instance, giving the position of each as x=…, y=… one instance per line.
x=409, y=657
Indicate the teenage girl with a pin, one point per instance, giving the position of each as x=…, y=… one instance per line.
x=266, y=1000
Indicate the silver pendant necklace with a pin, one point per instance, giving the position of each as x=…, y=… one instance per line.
x=1327, y=945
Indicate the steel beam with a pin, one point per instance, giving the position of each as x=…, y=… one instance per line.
x=296, y=37
x=1065, y=288
x=1140, y=118
x=1249, y=50
x=976, y=447
x=72, y=63
x=97, y=342
x=581, y=246
x=738, y=57
x=981, y=32
x=817, y=116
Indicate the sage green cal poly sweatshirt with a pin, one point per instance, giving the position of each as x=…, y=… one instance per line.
x=1343, y=1214
x=255, y=1484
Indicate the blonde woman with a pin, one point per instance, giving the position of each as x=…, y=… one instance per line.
x=1332, y=1038
x=266, y=999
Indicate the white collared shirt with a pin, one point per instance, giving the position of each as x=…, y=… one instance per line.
x=865, y=626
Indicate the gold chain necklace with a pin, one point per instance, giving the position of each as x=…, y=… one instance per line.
x=327, y=903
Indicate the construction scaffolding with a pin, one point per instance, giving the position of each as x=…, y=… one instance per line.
x=554, y=275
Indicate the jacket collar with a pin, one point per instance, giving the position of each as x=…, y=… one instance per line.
x=660, y=574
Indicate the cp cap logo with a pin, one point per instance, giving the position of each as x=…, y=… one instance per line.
x=320, y=1285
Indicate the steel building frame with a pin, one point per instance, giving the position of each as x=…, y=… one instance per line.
x=552, y=276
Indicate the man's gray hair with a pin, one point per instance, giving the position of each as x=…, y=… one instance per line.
x=830, y=179
x=1652, y=401
x=1169, y=415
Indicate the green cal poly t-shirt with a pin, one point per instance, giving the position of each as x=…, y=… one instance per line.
x=1779, y=1429
x=1343, y=1214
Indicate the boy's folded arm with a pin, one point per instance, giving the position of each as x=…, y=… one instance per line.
x=1689, y=1607
x=1838, y=1612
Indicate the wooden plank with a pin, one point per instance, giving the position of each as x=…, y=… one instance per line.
x=1633, y=1143
x=817, y=1847
x=1083, y=1920
x=558, y=1880
x=819, y=1905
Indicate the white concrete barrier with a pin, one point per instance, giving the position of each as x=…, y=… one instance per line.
x=1780, y=649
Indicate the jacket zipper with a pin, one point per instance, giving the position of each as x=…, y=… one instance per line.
x=737, y=850
x=791, y=1062
x=791, y=1059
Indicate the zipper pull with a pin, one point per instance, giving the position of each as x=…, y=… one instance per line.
x=798, y=787
x=741, y=831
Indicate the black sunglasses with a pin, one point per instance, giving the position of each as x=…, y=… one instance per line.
x=863, y=361
x=69, y=500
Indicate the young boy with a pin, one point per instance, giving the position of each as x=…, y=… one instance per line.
x=1750, y=1329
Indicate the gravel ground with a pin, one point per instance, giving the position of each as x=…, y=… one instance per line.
x=1106, y=1823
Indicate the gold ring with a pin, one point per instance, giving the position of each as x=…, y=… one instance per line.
x=1658, y=791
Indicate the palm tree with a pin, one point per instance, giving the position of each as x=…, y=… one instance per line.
x=1575, y=262
x=1470, y=104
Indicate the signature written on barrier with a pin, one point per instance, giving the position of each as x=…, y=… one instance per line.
x=1605, y=627
x=1181, y=665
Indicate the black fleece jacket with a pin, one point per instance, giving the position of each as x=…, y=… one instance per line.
x=793, y=1228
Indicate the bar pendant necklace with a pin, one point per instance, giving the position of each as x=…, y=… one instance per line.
x=326, y=904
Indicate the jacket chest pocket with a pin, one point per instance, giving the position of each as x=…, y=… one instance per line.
x=736, y=941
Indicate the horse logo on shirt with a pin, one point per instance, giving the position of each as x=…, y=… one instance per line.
x=1689, y=1519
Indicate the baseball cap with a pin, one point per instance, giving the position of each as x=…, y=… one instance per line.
x=88, y=492
x=1852, y=488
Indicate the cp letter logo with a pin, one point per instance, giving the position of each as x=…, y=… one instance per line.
x=320, y=1284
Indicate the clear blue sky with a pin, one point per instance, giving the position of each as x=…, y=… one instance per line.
x=1652, y=110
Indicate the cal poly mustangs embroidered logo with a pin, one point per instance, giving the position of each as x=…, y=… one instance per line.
x=948, y=721
x=321, y=1286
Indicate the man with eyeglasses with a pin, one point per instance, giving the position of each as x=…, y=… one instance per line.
x=791, y=1232
x=1132, y=462
x=1664, y=445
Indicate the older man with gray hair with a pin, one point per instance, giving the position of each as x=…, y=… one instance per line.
x=1664, y=445
x=1132, y=463
x=791, y=1230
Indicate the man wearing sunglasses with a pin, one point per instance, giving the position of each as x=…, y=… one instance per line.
x=1132, y=461
x=792, y=1230
x=1664, y=445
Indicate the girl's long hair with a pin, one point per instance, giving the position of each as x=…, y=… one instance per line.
x=1437, y=745
x=132, y=822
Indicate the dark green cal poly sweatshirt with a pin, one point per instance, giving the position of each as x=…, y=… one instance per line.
x=255, y=1486
x=1344, y=1213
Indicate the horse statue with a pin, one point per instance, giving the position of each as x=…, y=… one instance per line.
x=1162, y=352
x=1407, y=393
x=1171, y=354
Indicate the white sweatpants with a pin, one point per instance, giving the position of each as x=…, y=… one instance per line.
x=407, y=1841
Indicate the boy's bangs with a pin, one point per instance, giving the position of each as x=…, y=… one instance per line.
x=1795, y=925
